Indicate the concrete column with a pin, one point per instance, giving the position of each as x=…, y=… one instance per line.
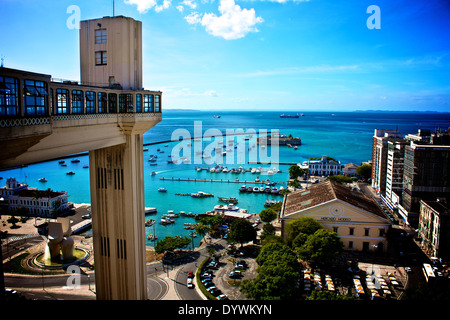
x=117, y=199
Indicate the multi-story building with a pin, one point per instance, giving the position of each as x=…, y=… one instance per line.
x=394, y=173
x=36, y=203
x=357, y=219
x=106, y=113
x=111, y=52
x=324, y=167
x=379, y=156
x=426, y=176
x=434, y=228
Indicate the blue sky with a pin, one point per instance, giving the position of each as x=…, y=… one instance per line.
x=257, y=54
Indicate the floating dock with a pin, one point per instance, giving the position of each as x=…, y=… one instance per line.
x=221, y=180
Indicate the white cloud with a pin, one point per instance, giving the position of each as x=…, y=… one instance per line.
x=144, y=5
x=165, y=5
x=193, y=18
x=233, y=23
x=190, y=3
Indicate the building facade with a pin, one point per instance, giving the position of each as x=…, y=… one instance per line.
x=434, y=228
x=379, y=157
x=426, y=176
x=324, y=167
x=36, y=203
x=106, y=113
x=394, y=172
x=357, y=219
x=111, y=52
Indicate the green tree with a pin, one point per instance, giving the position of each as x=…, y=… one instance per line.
x=268, y=215
x=364, y=170
x=268, y=230
x=304, y=225
x=202, y=229
x=212, y=221
x=294, y=183
x=340, y=178
x=295, y=171
x=320, y=248
x=241, y=231
x=277, y=274
x=172, y=243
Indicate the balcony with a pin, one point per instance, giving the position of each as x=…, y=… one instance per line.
x=41, y=119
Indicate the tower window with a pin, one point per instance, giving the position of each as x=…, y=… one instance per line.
x=100, y=58
x=100, y=36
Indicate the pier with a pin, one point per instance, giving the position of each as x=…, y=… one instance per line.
x=215, y=180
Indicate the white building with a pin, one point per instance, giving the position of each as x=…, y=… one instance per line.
x=38, y=203
x=350, y=169
x=324, y=167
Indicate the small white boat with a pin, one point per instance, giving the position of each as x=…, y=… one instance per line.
x=255, y=190
x=243, y=188
x=162, y=190
x=153, y=173
x=42, y=180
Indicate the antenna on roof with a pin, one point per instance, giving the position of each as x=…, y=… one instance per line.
x=113, y=9
x=3, y=58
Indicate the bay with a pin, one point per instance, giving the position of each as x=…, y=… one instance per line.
x=345, y=136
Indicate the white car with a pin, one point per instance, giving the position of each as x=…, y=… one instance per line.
x=189, y=283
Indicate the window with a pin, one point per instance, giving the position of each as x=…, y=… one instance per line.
x=125, y=102
x=102, y=102
x=335, y=229
x=148, y=103
x=139, y=102
x=366, y=232
x=77, y=101
x=350, y=244
x=381, y=232
x=9, y=96
x=100, y=58
x=100, y=36
x=35, y=97
x=90, y=102
x=62, y=97
x=112, y=103
x=157, y=103
x=351, y=231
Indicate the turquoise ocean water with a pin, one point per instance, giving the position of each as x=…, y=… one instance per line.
x=345, y=136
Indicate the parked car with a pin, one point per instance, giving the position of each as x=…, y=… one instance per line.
x=222, y=296
x=215, y=292
x=208, y=284
x=206, y=274
x=211, y=288
x=213, y=265
x=190, y=274
x=235, y=274
x=189, y=283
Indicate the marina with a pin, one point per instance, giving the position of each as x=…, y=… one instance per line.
x=220, y=181
x=344, y=137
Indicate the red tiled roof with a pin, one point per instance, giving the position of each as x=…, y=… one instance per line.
x=327, y=191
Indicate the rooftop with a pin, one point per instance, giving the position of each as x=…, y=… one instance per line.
x=39, y=193
x=327, y=191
